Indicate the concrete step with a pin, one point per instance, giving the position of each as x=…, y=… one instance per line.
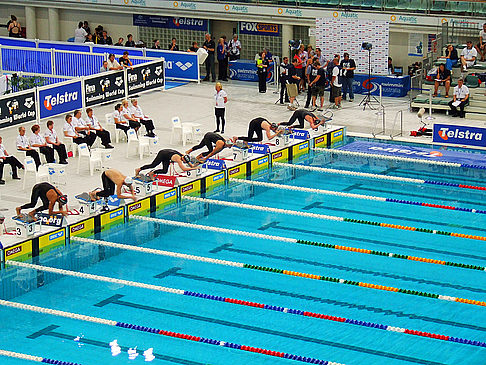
x=477, y=103
x=477, y=116
x=474, y=109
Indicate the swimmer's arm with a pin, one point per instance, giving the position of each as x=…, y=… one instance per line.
x=218, y=148
x=272, y=136
x=120, y=195
x=184, y=168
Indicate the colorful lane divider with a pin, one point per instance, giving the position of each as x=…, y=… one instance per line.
x=44, y=360
x=378, y=176
x=331, y=217
x=313, y=243
x=275, y=270
x=246, y=303
x=355, y=196
x=162, y=332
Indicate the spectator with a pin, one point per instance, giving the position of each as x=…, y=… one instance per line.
x=86, y=27
x=193, y=48
x=38, y=141
x=268, y=54
x=318, y=85
x=98, y=33
x=80, y=34
x=5, y=158
x=348, y=66
x=104, y=67
x=459, y=99
x=105, y=39
x=51, y=138
x=138, y=114
x=443, y=78
x=112, y=63
x=70, y=131
x=481, y=47
x=129, y=42
x=127, y=115
x=89, y=39
x=96, y=128
x=262, y=71
x=119, y=43
x=283, y=77
x=322, y=59
x=156, y=45
x=125, y=61
x=222, y=60
x=220, y=98
x=173, y=45
x=391, y=70
x=209, y=46
x=292, y=83
x=299, y=67
x=310, y=74
x=451, y=57
x=24, y=145
x=13, y=27
x=310, y=52
x=468, y=56
x=83, y=128
x=336, y=84
x=234, y=48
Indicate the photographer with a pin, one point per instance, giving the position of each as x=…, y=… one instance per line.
x=348, y=66
x=283, y=77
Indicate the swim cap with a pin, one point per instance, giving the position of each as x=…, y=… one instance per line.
x=128, y=181
x=274, y=126
x=186, y=158
x=62, y=199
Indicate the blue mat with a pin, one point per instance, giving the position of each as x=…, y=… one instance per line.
x=172, y=84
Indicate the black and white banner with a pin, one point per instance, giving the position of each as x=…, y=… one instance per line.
x=145, y=77
x=106, y=87
x=17, y=108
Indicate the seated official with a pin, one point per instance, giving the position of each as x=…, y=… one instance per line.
x=70, y=131
x=468, y=56
x=83, y=128
x=5, y=158
x=51, y=138
x=127, y=114
x=23, y=144
x=443, y=78
x=138, y=114
x=460, y=97
x=96, y=128
x=38, y=141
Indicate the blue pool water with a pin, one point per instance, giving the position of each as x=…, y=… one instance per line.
x=52, y=336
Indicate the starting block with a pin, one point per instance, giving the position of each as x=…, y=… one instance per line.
x=239, y=154
x=282, y=140
x=166, y=180
x=88, y=206
x=146, y=184
x=26, y=226
x=196, y=172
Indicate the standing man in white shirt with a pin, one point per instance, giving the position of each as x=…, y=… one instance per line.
x=83, y=128
x=23, y=144
x=459, y=99
x=5, y=158
x=38, y=141
x=51, y=138
x=336, y=85
x=138, y=114
x=481, y=47
x=468, y=56
x=96, y=128
x=234, y=48
x=220, y=98
x=70, y=131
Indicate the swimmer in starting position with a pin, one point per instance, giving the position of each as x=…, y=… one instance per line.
x=110, y=179
x=302, y=115
x=165, y=157
x=257, y=126
x=209, y=140
x=49, y=195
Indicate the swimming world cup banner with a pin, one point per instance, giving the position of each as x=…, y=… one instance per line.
x=108, y=86
x=178, y=65
x=458, y=134
x=17, y=108
x=336, y=36
x=146, y=76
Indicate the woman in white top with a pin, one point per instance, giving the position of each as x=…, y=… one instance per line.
x=127, y=115
x=23, y=144
x=52, y=140
x=138, y=114
x=120, y=121
x=220, y=98
x=70, y=131
x=80, y=34
x=37, y=140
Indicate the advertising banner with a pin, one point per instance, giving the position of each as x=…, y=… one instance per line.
x=178, y=65
x=17, y=108
x=60, y=99
x=259, y=28
x=146, y=76
x=108, y=86
x=458, y=134
x=247, y=71
x=170, y=22
x=394, y=86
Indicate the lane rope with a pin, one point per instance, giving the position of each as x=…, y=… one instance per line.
x=209, y=341
x=356, y=196
x=331, y=218
x=378, y=176
x=275, y=270
x=45, y=360
x=243, y=302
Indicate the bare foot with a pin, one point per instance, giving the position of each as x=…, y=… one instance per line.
x=92, y=195
x=32, y=215
x=18, y=210
x=137, y=172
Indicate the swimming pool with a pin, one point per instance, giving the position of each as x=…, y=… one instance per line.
x=345, y=275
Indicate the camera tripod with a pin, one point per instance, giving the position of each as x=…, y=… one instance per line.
x=368, y=99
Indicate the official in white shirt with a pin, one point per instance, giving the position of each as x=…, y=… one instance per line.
x=234, y=48
x=5, y=158
x=96, y=128
x=23, y=144
x=70, y=131
x=138, y=114
x=461, y=95
x=120, y=121
x=83, y=128
x=220, y=99
x=51, y=138
x=468, y=56
x=37, y=140
x=134, y=123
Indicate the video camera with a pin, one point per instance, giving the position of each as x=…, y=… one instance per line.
x=366, y=46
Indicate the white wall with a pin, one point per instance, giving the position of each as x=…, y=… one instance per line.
x=399, y=49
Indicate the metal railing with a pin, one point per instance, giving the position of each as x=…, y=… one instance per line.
x=398, y=119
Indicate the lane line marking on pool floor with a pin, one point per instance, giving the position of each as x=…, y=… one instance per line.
x=398, y=158
x=274, y=270
x=330, y=217
x=44, y=360
x=183, y=336
x=355, y=196
x=378, y=176
x=299, y=312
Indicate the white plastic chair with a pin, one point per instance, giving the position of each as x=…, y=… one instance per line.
x=142, y=143
x=181, y=131
x=70, y=145
x=111, y=127
x=93, y=160
x=29, y=168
